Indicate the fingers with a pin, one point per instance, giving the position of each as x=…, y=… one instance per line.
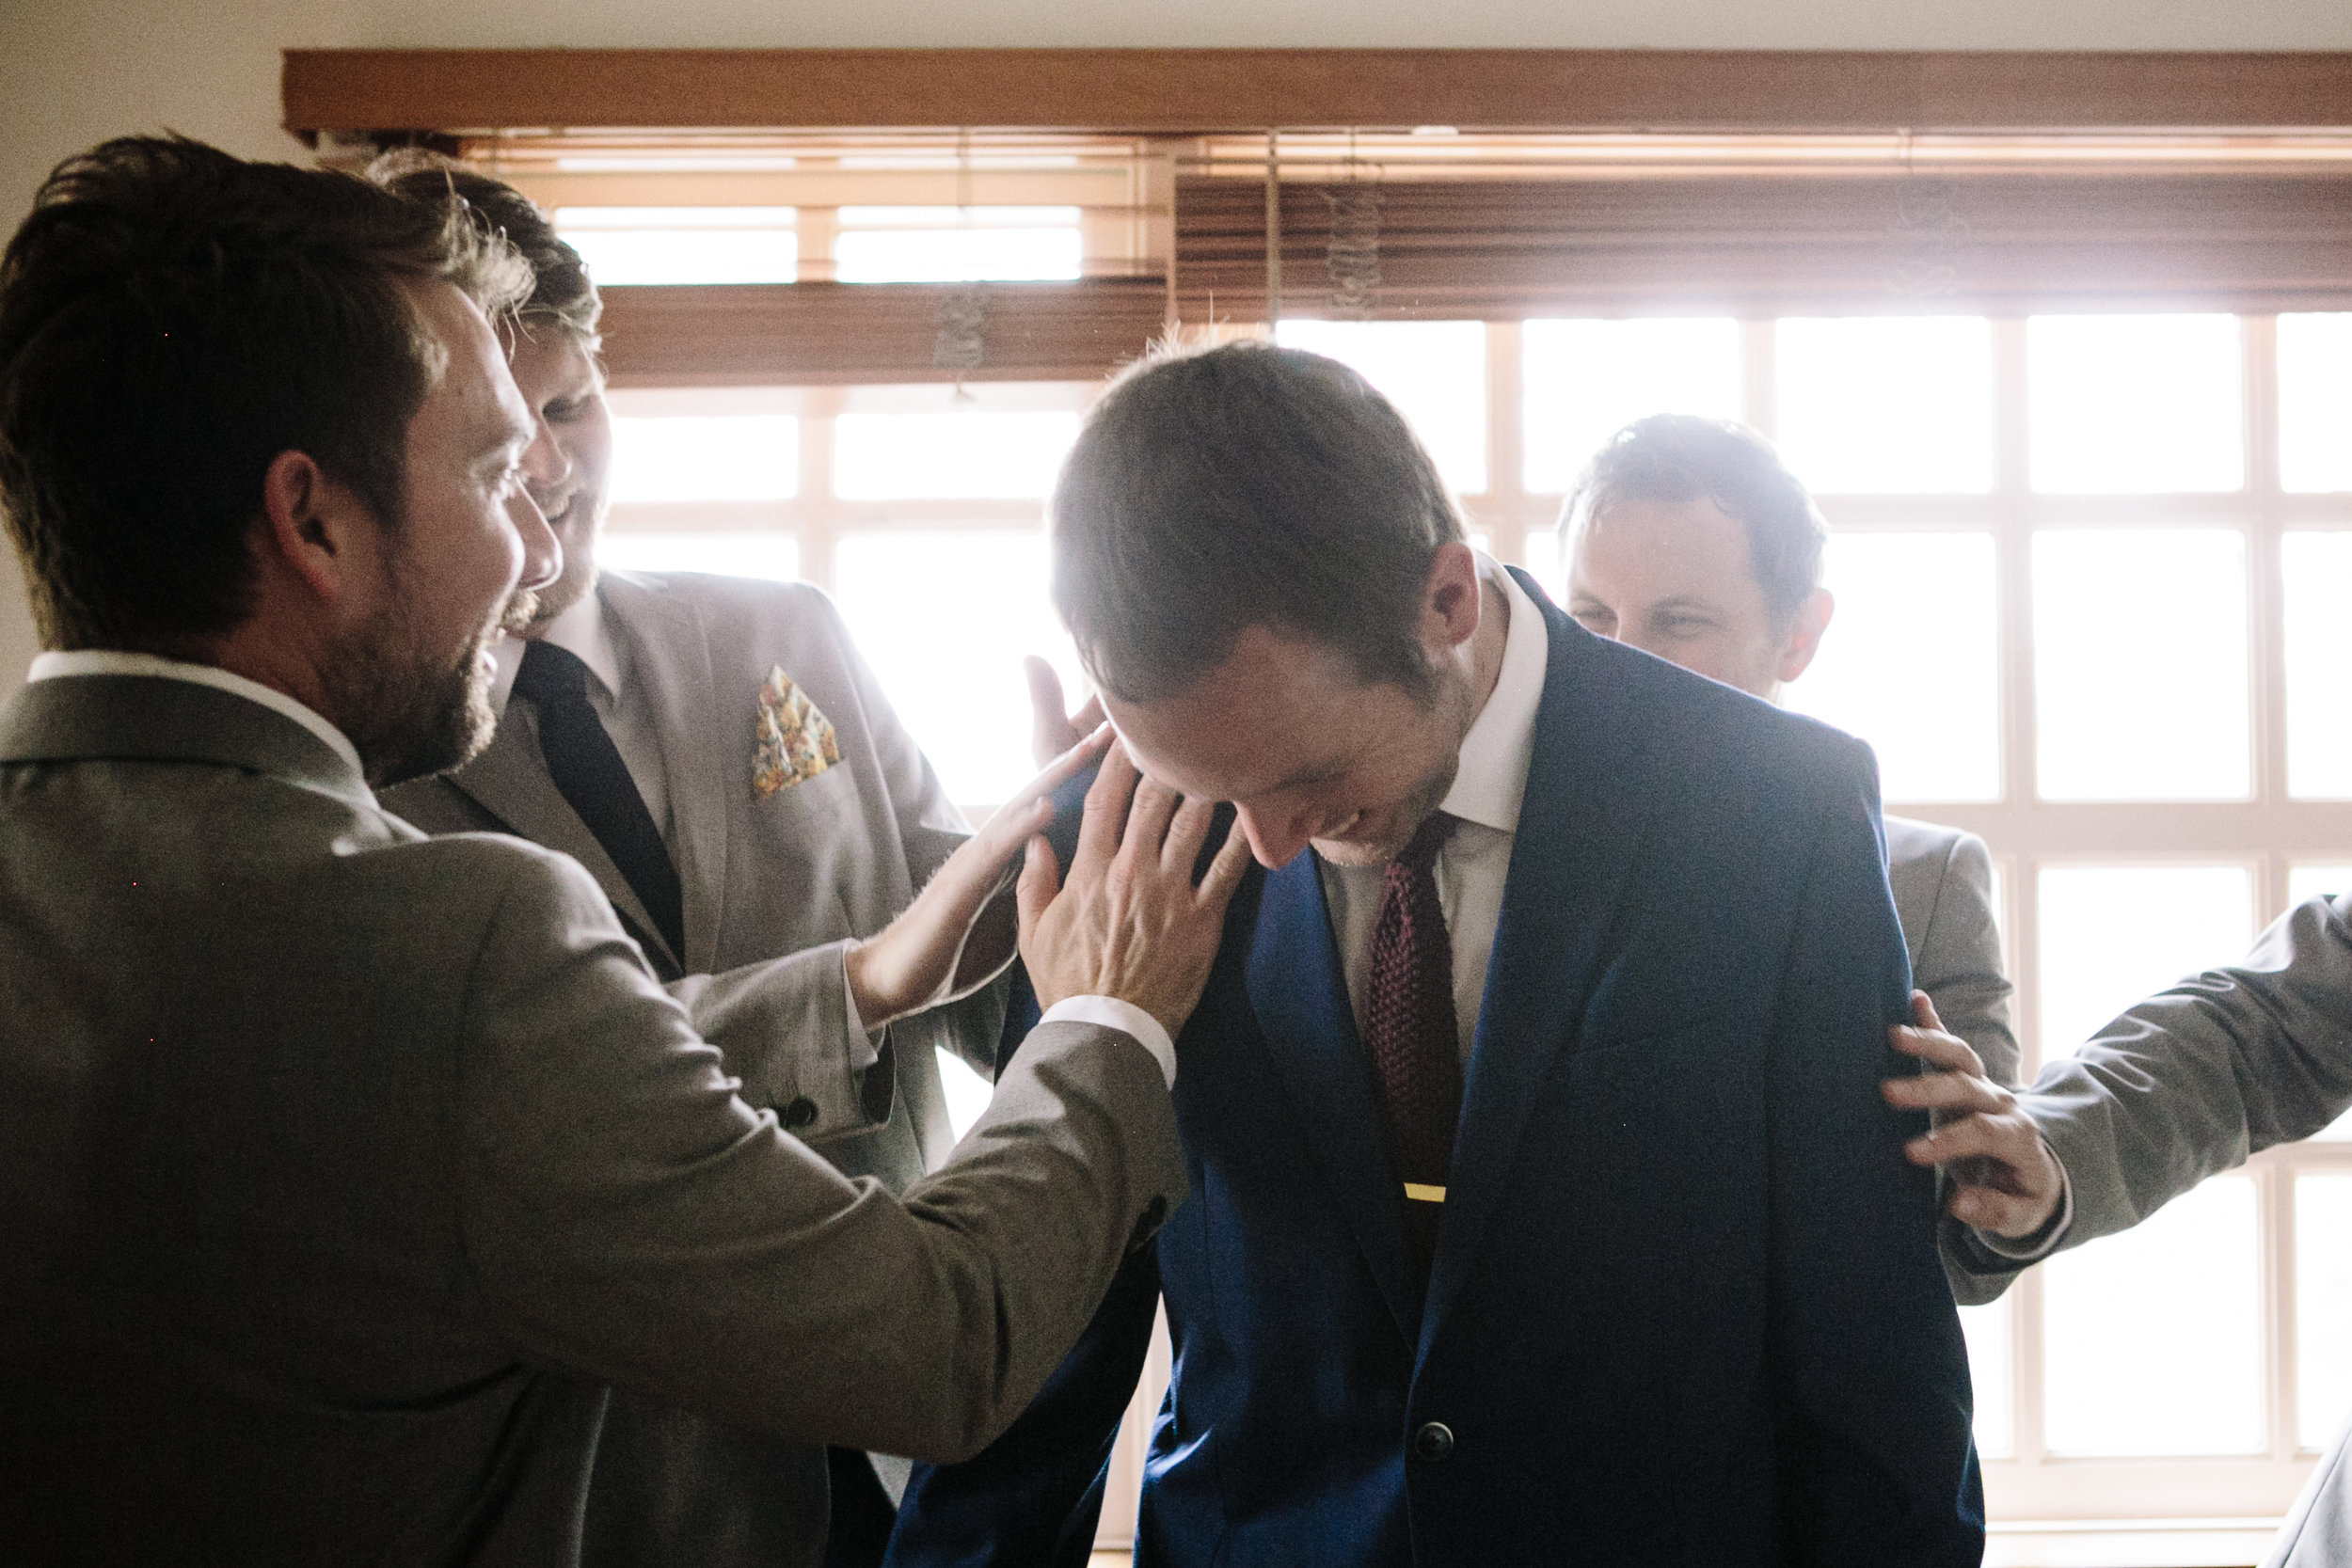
x=2008, y=1141
x=1040, y=881
x=1923, y=1011
x=1946, y=1091
x=1186, y=834
x=1148, y=821
x=1102, y=826
x=1936, y=1048
x=1225, y=872
x=1050, y=729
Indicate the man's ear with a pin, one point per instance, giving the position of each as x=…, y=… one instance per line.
x=313, y=526
x=1804, y=634
x=1450, y=600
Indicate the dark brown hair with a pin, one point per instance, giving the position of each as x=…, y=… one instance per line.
x=1672, y=459
x=1218, y=489
x=562, y=292
x=173, y=318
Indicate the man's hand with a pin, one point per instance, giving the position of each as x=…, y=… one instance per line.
x=1052, y=732
x=911, y=964
x=2008, y=1183
x=1127, y=921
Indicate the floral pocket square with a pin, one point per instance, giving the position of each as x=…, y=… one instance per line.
x=794, y=741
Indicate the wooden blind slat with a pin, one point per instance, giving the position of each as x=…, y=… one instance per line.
x=1496, y=249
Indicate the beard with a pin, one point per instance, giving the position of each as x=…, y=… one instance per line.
x=411, y=712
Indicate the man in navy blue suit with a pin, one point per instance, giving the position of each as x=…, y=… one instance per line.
x=1544, y=1203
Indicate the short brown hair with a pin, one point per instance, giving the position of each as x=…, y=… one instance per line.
x=562, y=290
x=1218, y=490
x=1671, y=459
x=172, y=319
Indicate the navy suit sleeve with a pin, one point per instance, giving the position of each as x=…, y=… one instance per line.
x=1871, y=1373
x=1031, y=1498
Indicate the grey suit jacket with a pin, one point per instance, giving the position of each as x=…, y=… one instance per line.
x=1943, y=884
x=774, y=886
x=342, y=1169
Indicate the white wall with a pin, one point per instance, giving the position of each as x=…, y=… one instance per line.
x=75, y=72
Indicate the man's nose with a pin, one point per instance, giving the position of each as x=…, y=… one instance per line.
x=544, y=462
x=1274, y=837
x=543, y=553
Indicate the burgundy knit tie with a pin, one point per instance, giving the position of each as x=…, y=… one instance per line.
x=1410, y=1031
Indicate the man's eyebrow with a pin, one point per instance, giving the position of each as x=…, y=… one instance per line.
x=1323, y=772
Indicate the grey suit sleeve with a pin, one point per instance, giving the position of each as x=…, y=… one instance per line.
x=626, y=1214
x=1959, y=960
x=785, y=1028
x=2193, y=1080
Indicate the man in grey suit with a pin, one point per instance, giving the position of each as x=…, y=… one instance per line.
x=770, y=803
x=342, y=1169
x=1688, y=539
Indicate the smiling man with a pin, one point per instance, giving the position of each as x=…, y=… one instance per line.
x=344, y=1172
x=1545, y=1202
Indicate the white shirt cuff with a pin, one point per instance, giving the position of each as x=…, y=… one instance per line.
x=2034, y=1248
x=1111, y=1013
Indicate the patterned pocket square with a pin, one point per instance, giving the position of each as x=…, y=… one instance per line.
x=794, y=741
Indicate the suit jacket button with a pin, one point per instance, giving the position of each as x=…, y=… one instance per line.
x=1434, y=1442
x=1149, y=1222
x=800, y=1112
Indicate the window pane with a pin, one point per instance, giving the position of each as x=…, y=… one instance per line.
x=1434, y=372
x=966, y=1092
x=728, y=555
x=2307, y=882
x=955, y=245
x=964, y=456
x=1888, y=404
x=2133, y=405
x=945, y=618
x=683, y=245
x=2140, y=664
x=2113, y=1312
x=2323, y=1305
x=1909, y=661
x=2315, y=402
x=1542, y=550
x=2318, y=572
x=1989, y=1368
x=1586, y=380
x=2111, y=935
x=716, y=457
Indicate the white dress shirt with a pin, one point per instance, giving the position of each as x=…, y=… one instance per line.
x=1484, y=801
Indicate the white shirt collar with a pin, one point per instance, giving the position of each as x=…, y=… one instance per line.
x=579, y=630
x=112, y=661
x=1491, y=780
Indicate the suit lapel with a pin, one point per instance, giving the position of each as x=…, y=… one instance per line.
x=669, y=656
x=1581, y=823
x=510, y=781
x=1299, y=995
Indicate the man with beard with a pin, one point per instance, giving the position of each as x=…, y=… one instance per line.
x=342, y=1169
x=1546, y=1207
x=718, y=755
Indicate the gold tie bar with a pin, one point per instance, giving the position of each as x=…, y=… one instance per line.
x=1420, y=1192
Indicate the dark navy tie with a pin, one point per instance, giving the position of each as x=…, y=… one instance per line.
x=589, y=773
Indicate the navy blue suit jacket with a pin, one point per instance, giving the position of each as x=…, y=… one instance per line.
x=1686, y=1305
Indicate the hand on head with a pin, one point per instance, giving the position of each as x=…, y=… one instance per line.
x=1127, y=921
x=2005, y=1179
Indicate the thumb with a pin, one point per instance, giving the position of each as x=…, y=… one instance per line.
x=1049, y=725
x=1040, y=880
